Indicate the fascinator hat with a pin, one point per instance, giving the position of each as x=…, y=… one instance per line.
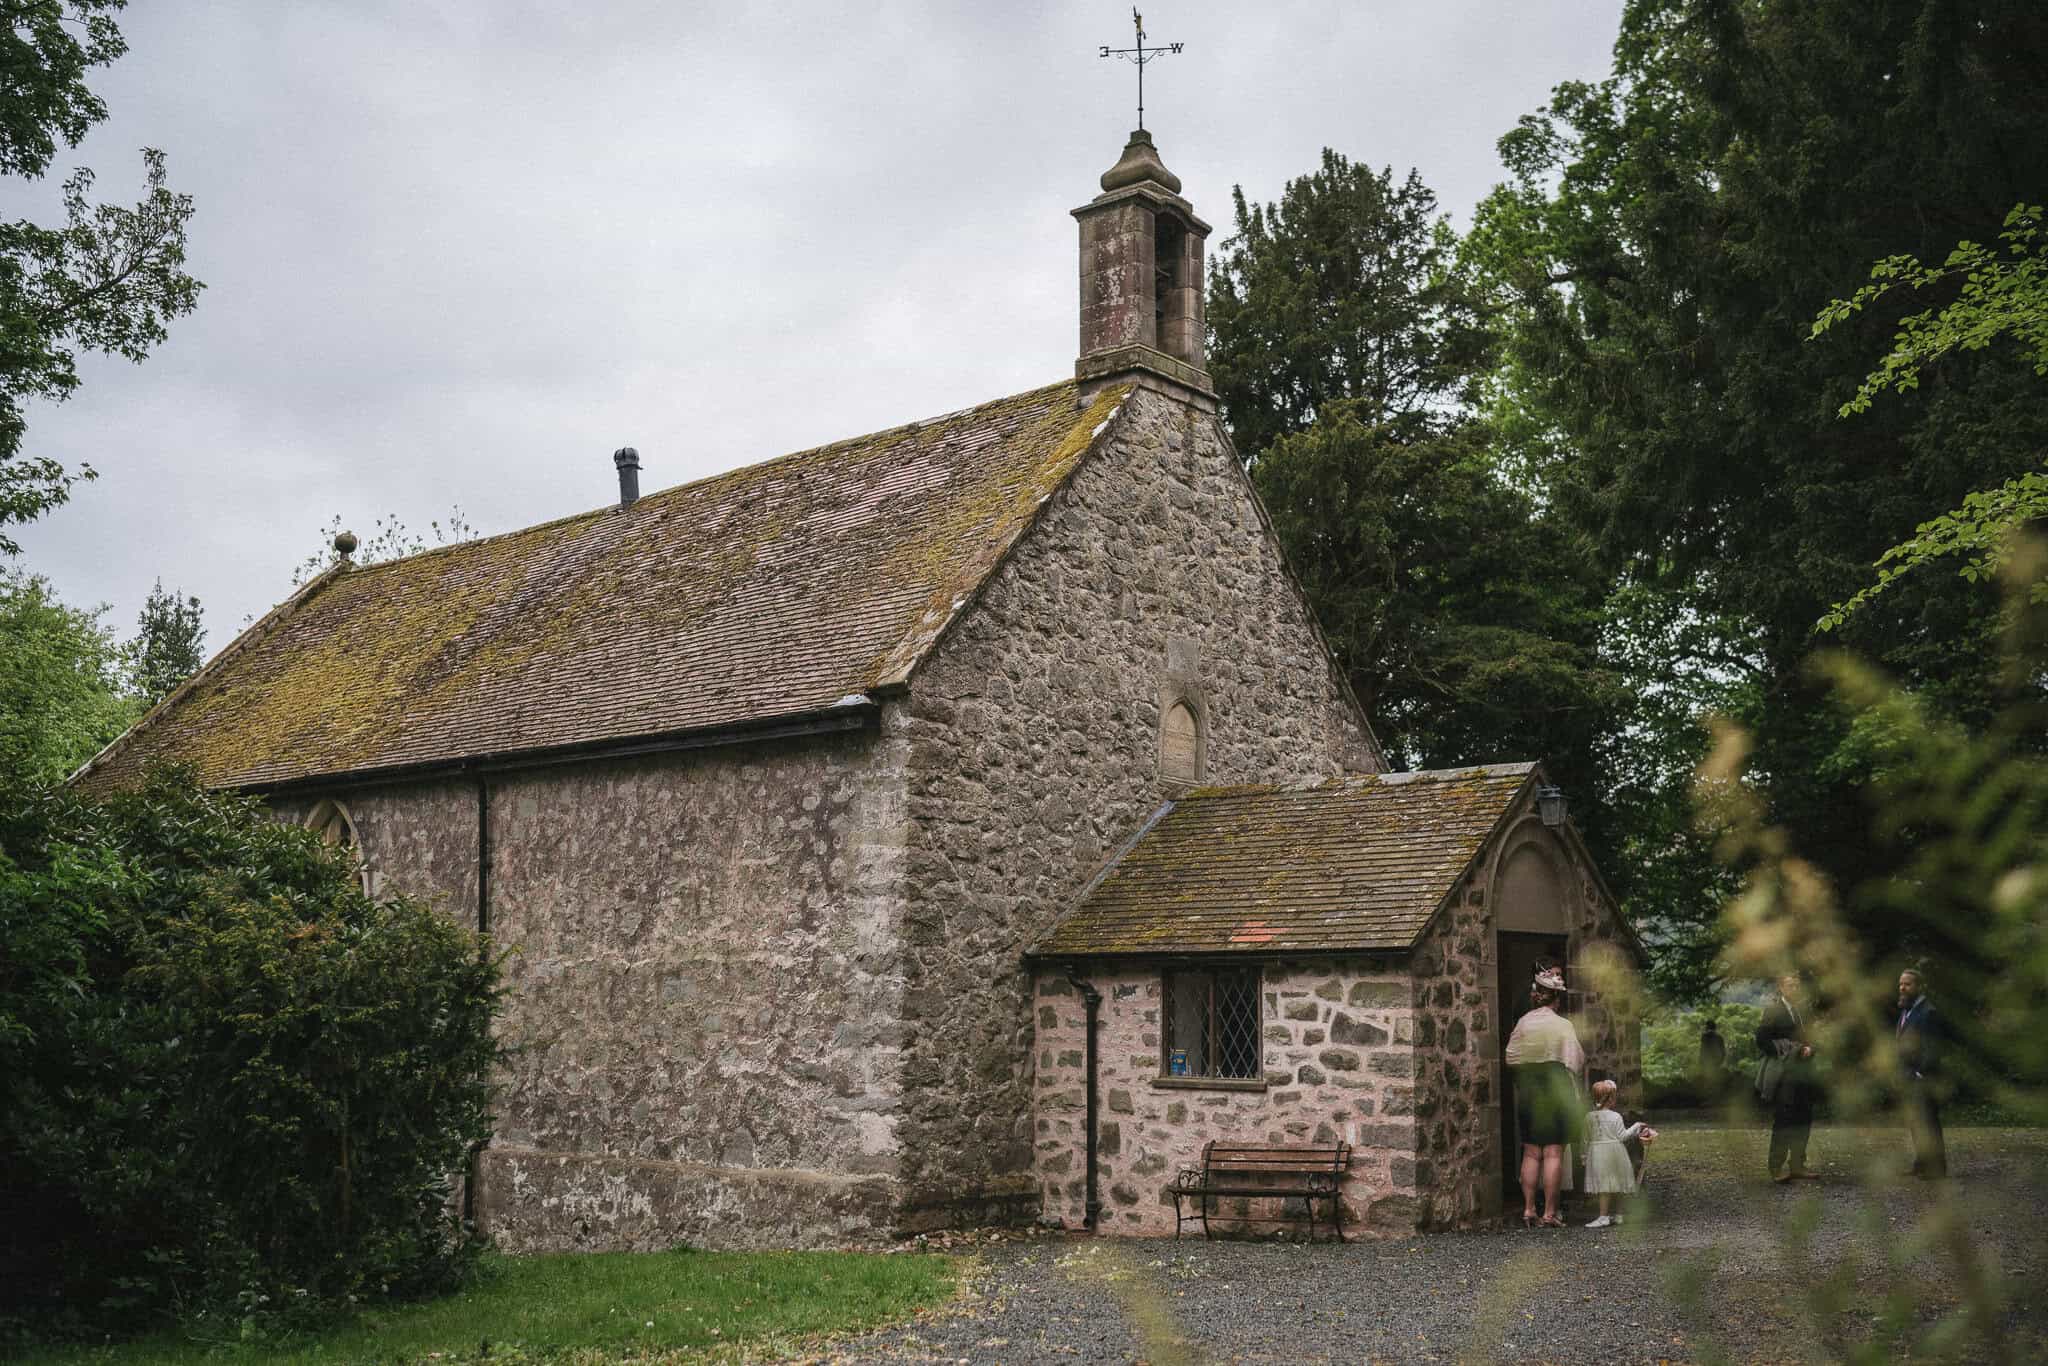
x=1550, y=979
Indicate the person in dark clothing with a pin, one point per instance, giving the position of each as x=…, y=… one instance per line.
x=1919, y=1045
x=1713, y=1059
x=1785, y=1080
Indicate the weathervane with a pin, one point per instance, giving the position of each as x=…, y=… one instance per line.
x=1141, y=55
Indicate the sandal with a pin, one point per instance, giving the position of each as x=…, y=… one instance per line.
x=1550, y=1221
x=1528, y=1220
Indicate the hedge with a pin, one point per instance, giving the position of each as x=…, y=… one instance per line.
x=231, y=1077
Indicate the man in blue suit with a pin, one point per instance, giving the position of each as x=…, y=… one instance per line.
x=1919, y=1045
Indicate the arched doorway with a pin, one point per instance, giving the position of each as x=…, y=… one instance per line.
x=1532, y=924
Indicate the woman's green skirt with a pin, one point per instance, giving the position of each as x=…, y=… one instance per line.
x=1547, y=1105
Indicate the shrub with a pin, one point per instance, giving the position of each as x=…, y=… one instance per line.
x=233, y=1078
x=1672, y=1079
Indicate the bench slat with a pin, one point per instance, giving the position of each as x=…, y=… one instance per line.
x=1308, y=1172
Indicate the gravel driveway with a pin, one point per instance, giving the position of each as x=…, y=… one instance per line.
x=1699, y=1274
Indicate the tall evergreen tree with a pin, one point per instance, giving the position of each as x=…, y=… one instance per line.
x=170, y=646
x=1666, y=240
x=1341, y=290
x=1348, y=356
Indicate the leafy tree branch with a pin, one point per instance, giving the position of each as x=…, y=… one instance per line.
x=109, y=280
x=2003, y=292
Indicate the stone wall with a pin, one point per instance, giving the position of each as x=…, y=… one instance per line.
x=1338, y=1061
x=1457, y=1063
x=1033, y=750
x=419, y=838
x=1609, y=1023
x=704, y=990
x=1460, y=1087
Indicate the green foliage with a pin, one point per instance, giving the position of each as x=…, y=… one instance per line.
x=1961, y=815
x=236, y=1081
x=1462, y=617
x=169, y=647
x=1656, y=259
x=110, y=279
x=2003, y=292
x=1671, y=1043
x=47, y=49
x=1677, y=667
x=1349, y=358
x=61, y=699
x=1981, y=531
x=1340, y=291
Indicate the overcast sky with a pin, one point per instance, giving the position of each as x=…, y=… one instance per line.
x=457, y=251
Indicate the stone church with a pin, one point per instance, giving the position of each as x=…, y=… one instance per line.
x=818, y=798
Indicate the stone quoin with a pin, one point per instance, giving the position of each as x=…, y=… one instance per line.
x=812, y=798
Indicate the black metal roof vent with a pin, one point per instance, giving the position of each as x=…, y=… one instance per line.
x=628, y=461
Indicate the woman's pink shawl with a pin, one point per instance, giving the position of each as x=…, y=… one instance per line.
x=1543, y=1035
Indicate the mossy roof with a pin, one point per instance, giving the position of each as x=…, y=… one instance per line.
x=776, y=591
x=1354, y=864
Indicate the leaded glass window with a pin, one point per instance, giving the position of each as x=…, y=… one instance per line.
x=1212, y=1025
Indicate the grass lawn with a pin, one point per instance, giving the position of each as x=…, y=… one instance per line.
x=1855, y=1258
x=593, y=1308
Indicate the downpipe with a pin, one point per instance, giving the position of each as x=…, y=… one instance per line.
x=1091, y=999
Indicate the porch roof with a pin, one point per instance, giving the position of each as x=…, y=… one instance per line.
x=1353, y=864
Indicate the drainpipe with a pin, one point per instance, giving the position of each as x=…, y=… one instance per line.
x=1092, y=1000
x=483, y=928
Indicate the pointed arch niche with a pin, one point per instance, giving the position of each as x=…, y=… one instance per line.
x=1183, y=740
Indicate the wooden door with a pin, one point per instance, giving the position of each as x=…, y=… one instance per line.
x=1520, y=955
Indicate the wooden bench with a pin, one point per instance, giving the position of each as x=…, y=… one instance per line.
x=1264, y=1171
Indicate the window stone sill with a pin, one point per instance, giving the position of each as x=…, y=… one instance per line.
x=1209, y=1083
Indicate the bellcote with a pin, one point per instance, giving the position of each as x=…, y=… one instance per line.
x=1141, y=280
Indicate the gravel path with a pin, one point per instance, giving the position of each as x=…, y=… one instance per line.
x=1698, y=1275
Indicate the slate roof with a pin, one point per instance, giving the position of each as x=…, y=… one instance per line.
x=771, y=592
x=1352, y=864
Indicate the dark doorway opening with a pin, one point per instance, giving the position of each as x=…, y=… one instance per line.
x=1520, y=955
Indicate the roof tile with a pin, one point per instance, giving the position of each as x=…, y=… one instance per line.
x=769, y=592
x=1357, y=863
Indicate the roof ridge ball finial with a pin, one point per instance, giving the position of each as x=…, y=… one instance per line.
x=345, y=545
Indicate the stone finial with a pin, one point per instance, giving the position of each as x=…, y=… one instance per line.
x=1140, y=163
x=345, y=544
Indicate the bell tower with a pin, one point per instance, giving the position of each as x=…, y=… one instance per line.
x=1141, y=280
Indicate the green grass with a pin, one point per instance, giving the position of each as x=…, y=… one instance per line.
x=591, y=1308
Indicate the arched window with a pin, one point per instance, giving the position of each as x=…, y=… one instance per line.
x=332, y=823
x=1180, y=744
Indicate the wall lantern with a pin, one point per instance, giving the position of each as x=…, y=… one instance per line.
x=1550, y=805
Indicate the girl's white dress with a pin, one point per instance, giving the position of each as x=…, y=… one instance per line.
x=1608, y=1169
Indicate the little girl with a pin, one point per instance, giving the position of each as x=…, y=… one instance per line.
x=1608, y=1170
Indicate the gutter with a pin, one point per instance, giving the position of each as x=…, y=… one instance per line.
x=826, y=721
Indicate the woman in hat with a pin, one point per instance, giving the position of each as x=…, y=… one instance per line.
x=1545, y=1060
